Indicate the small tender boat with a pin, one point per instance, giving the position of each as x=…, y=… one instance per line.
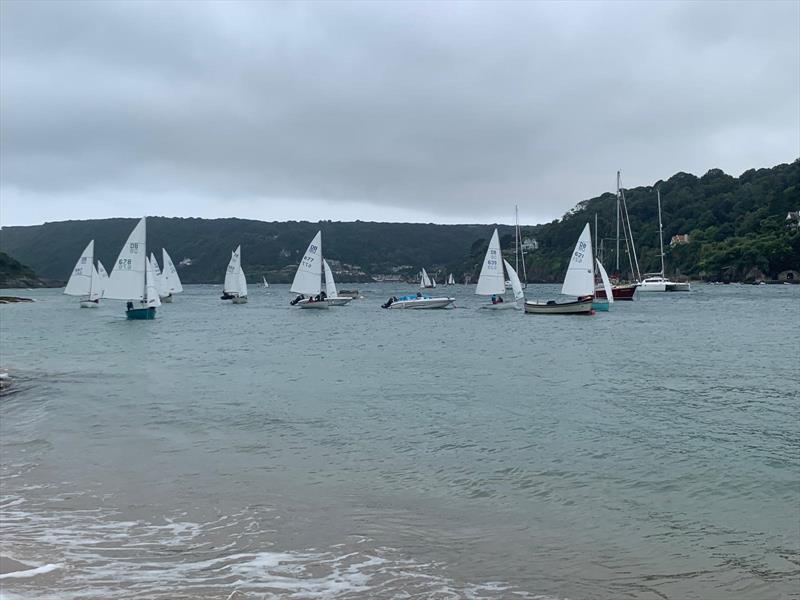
x=579, y=281
x=308, y=278
x=491, y=281
x=235, y=286
x=133, y=278
x=418, y=301
x=85, y=281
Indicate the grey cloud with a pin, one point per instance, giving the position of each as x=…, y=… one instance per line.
x=453, y=111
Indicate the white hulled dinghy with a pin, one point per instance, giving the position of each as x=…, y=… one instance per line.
x=308, y=278
x=235, y=286
x=491, y=281
x=133, y=279
x=170, y=281
x=579, y=281
x=332, y=295
x=85, y=281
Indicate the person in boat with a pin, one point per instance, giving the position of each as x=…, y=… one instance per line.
x=322, y=295
x=419, y=294
x=584, y=298
x=496, y=299
x=129, y=306
x=296, y=300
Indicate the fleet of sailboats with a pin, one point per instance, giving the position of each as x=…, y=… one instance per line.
x=137, y=278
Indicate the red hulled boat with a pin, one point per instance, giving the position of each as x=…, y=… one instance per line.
x=620, y=291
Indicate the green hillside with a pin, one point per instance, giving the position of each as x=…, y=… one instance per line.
x=737, y=230
x=736, y=226
x=268, y=248
x=13, y=274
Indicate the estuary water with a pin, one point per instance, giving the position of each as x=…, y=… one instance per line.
x=261, y=451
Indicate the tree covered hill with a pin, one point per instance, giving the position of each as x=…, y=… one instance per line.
x=13, y=274
x=272, y=249
x=737, y=229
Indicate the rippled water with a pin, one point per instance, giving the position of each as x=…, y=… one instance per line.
x=650, y=452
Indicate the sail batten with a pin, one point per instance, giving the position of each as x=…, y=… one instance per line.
x=308, y=278
x=491, y=280
x=579, y=280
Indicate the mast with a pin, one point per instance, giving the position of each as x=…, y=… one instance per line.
x=516, y=238
x=596, y=238
x=632, y=249
x=618, y=217
x=660, y=230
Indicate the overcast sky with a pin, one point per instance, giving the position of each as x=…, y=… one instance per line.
x=415, y=111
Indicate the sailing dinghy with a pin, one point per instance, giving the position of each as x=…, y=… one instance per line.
x=579, y=281
x=133, y=278
x=308, y=278
x=491, y=281
x=170, y=282
x=265, y=284
x=85, y=280
x=603, y=304
x=235, y=286
x=332, y=296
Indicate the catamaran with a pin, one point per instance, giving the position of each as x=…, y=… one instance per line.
x=308, y=278
x=133, y=278
x=579, y=281
x=85, y=281
x=170, y=282
x=491, y=281
x=658, y=282
x=332, y=296
x=235, y=286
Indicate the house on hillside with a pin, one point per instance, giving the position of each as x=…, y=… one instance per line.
x=790, y=275
x=186, y=262
x=793, y=220
x=680, y=238
x=530, y=244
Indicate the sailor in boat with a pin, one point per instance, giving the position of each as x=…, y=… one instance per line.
x=129, y=306
x=296, y=300
x=389, y=302
x=419, y=294
x=497, y=299
x=226, y=296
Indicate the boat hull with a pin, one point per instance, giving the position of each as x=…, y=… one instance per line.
x=679, y=286
x=500, y=306
x=423, y=303
x=239, y=300
x=318, y=304
x=141, y=314
x=338, y=301
x=167, y=299
x=577, y=307
x=600, y=305
x=620, y=292
x=90, y=304
x=646, y=288
x=352, y=294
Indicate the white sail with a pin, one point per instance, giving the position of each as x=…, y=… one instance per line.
x=308, y=279
x=127, y=280
x=80, y=281
x=425, y=281
x=232, y=280
x=579, y=280
x=606, y=281
x=242, y=283
x=151, y=296
x=159, y=277
x=451, y=280
x=330, y=284
x=170, y=274
x=101, y=271
x=266, y=285
x=516, y=285
x=491, y=280
x=95, y=289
